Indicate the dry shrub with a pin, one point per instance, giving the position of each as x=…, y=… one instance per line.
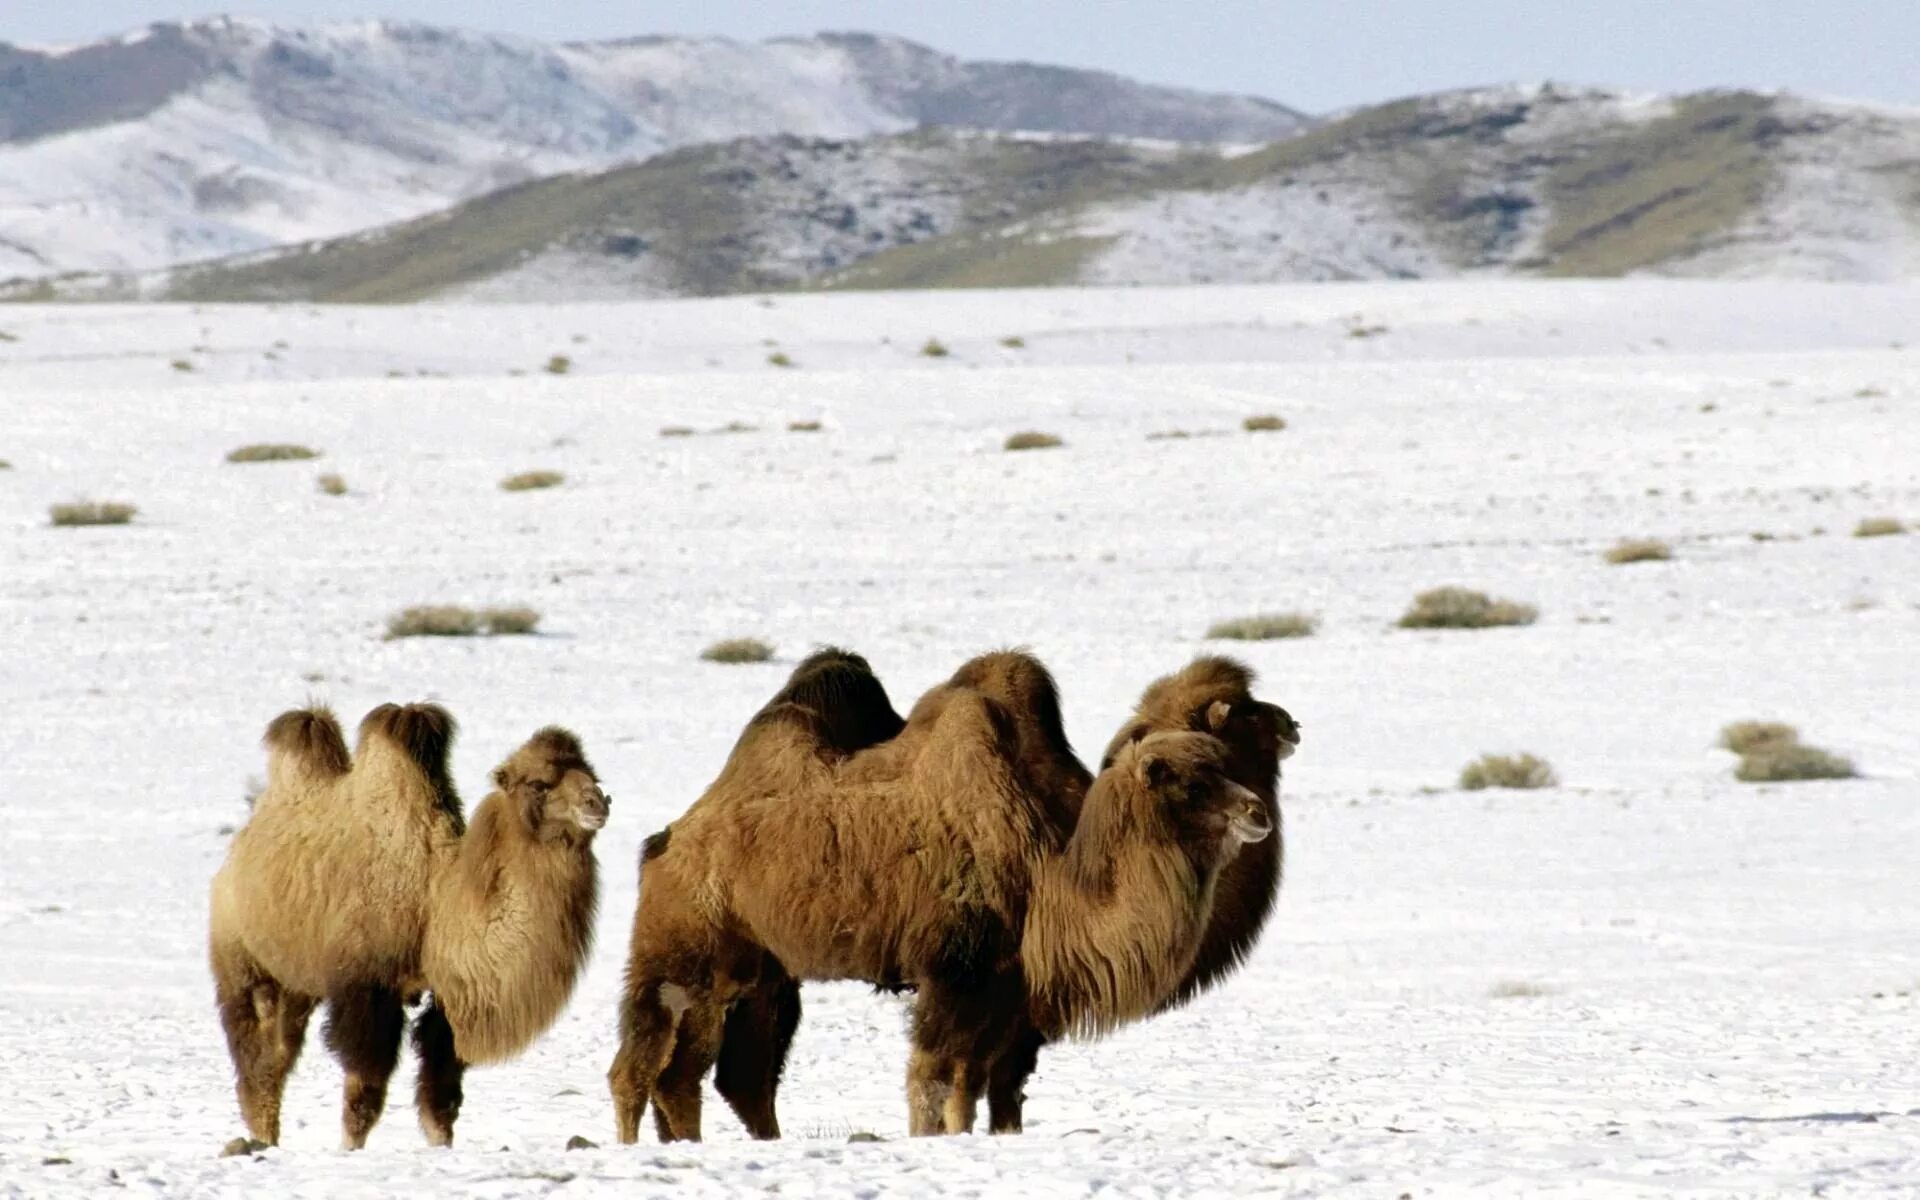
x=332, y=484
x=934, y=348
x=1460, y=608
x=1518, y=989
x=272, y=452
x=1264, y=627
x=738, y=650
x=559, y=364
x=1503, y=771
x=803, y=427
x=676, y=431
x=738, y=427
x=1014, y=342
x=1633, y=550
x=1033, y=439
x=527, y=481
x=433, y=620
x=1169, y=435
x=91, y=512
x=1791, y=761
x=779, y=358
x=181, y=364
x=1264, y=423
x=1745, y=737
x=1879, y=527
x=513, y=620
x=5, y=465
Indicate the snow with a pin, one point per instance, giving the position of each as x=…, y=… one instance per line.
x=1717, y=984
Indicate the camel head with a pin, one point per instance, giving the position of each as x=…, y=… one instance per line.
x=1183, y=785
x=1214, y=694
x=553, y=787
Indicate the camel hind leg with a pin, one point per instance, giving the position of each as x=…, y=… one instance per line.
x=754, y=1043
x=696, y=1044
x=1007, y=1082
x=364, y=1027
x=266, y=1025
x=646, y=1044
x=438, y=1091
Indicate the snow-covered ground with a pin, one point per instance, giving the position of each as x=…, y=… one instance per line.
x=1648, y=980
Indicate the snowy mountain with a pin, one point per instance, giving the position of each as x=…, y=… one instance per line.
x=190, y=141
x=1512, y=181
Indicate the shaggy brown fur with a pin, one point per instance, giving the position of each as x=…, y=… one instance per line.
x=1211, y=694
x=911, y=862
x=356, y=881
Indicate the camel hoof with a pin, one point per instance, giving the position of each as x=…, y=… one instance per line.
x=242, y=1147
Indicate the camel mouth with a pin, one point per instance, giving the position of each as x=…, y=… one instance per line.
x=591, y=821
x=1250, y=827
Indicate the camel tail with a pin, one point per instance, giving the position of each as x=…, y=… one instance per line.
x=305, y=744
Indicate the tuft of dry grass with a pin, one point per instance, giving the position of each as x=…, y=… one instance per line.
x=516, y=619
x=1789, y=762
x=1879, y=527
x=5, y=465
x=528, y=481
x=738, y=650
x=779, y=358
x=676, y=431
x=934, y=348
x=1169, y=435
x=1745, y=737
x=803, y=427
x=1505, y=771
x=1518, y=989
x=1264, y=423
x=1014, y=342
x=738, y=427
x=181, y=364
x=1460, y=608
x=1033, y=439
x=91, y=512
x=331, y=484
x=559, y=364
x=1264, y=627
x=272, y=452
x=433, y=620
x=1633, y=550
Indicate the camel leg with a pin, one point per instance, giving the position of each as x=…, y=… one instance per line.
x=1007, y=1082
x=364, y=1026
x=963, y=1096
x=266, y=1025
x=676, y=1094
x=753, y=1052
x=646, y=1042
x=929, y=1078
x=438, y=1091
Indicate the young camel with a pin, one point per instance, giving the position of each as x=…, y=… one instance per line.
x=357, y=881
x=1212, y=694
x=925, y=861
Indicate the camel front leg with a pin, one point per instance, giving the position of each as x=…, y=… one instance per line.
x=364, y=1027
x=754, y=1042
x=1007, y=1081
x=438, y=1090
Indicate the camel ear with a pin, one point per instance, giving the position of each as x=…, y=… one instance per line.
x=1217, y=714
x=1155, y=771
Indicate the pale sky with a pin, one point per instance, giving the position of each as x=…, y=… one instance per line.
x=1312, y=54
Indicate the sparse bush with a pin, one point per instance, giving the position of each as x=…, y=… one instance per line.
x=1264, y=627
x=1015, y=342
x=271, y=452
x=1633, y=550
x=934, y=348
x=559, y=364
x=517, y=619
x=1790, y=761
x=181, y=364
x=528, y=481
x=5, y=465
x=1169, y=435
x=1031, y=439
x=738, y=427
x=1503, y=771
x=673, y=431
x=779, y=359
x=1459, y=608
x=1518, y=989
x=8, y=337
x=433, y=620
x=332, y=484
x=803, y=427
x=738, y=650
x=1264, y=423
x=1879, y=527
x=1745, y=737
x=90, y=512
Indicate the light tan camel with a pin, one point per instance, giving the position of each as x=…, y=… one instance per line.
x=356, y=881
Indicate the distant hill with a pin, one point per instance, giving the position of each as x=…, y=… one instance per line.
x=1534, y=181
x=190, y=141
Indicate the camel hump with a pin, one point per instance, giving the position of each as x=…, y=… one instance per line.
x=1021, y=684
x=851, y=705
x=423, y=732
x=306, y=741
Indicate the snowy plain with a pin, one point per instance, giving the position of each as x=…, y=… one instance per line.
x=1649, y=980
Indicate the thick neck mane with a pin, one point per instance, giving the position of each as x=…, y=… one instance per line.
x=1113, y=923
